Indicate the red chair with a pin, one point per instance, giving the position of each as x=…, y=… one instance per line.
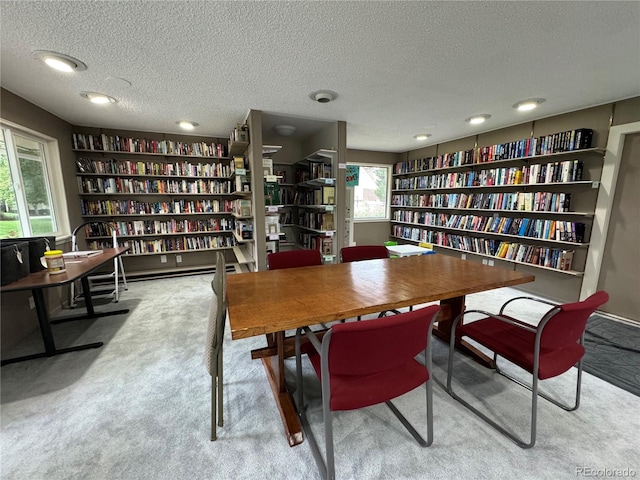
x=293, y=258
x=363, y=252
x=366, y=363
x=545, y=350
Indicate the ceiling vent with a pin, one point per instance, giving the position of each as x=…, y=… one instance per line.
x=323, y=96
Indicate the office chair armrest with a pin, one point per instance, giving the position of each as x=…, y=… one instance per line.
x=511, y=321
x=538, y=300
x=312, y=338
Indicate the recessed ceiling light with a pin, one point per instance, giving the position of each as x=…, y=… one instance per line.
x=285, y=130
x=185, y=124
x=59, y=61
x=526, y=105
x=422, y=136
x=478, y=119
x=98, y=98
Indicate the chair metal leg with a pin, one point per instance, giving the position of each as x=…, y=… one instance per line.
x=407, y=425
x=220, y=388
x=124, y=276
x=568, y=408
x=214, y=402
x=501, y=429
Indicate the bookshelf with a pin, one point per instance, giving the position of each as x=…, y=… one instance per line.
x=526, y=202
x=164, y=196
x=315, y=202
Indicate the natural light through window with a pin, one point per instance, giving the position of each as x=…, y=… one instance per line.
x=371, y=195
x=26, y=203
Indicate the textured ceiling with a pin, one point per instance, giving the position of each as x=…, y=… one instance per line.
x=399, y=68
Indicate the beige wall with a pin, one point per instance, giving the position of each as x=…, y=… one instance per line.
x=17, y=320
x=620, y=271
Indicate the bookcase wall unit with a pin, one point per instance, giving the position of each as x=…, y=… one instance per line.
x=315, y=203
x=168, y=198
x=529, y=202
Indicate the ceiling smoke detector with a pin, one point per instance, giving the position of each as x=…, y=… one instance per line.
x=323, y=96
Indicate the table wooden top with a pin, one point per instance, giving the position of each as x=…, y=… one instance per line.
x=76, y=268
x=278, y=300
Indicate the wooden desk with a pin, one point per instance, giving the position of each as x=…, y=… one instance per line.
x=77, y=268
x=271, y=302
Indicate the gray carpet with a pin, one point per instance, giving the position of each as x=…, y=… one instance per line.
x=613, y=352
x=138, y=408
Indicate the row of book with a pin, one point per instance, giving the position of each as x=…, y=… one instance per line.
x=133, y=207
x=315, y=170
x=130, y=167
x=134, y=185
x=568, y=171
x=316, y=242
x=541, y=229
x=117, y=143
x=316, y=221
x=160, y=227
x=170, y=244
x=566, y=141
x=244, y=230
x=242, y=207
x=555, y=258
x=516, y=201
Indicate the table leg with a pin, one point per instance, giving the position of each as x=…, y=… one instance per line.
x=47, y=335
x=88, y=301
x=449, y=310
x=274, y=367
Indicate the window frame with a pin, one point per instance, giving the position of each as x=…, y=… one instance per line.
x=387, y=201
x=52, y=169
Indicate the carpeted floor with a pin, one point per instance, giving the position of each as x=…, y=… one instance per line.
x=613, y=352
x=138, y=409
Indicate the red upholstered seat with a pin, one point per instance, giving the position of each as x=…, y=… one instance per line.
x=545, y=350
x=372, y=362
x=517, y=345
x=294, y=258
x=363, y=252
x=366, y=363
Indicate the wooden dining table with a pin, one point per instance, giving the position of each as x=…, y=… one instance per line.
x=272, y=302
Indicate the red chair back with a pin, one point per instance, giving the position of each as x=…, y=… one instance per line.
x=363, y=252
x=565, y=327
x=371, y=346
x=293, y=259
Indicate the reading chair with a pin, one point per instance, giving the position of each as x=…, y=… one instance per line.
x=366, y=363
x=215, y=337
x=293, y=259
x=545, y=350
x=109, y=230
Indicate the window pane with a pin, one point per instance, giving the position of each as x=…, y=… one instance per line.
x=9, y=219
x=370, y=196
x=34, y=182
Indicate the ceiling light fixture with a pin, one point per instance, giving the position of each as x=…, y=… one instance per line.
x=285, y=130
x=98, y=98
x=187, y=125
x=59, y=61
x=323, y=96
x=422, y=136
x=478, y=119
x=526, y=105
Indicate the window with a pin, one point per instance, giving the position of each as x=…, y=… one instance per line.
x=371, y=195
x=27, y=206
